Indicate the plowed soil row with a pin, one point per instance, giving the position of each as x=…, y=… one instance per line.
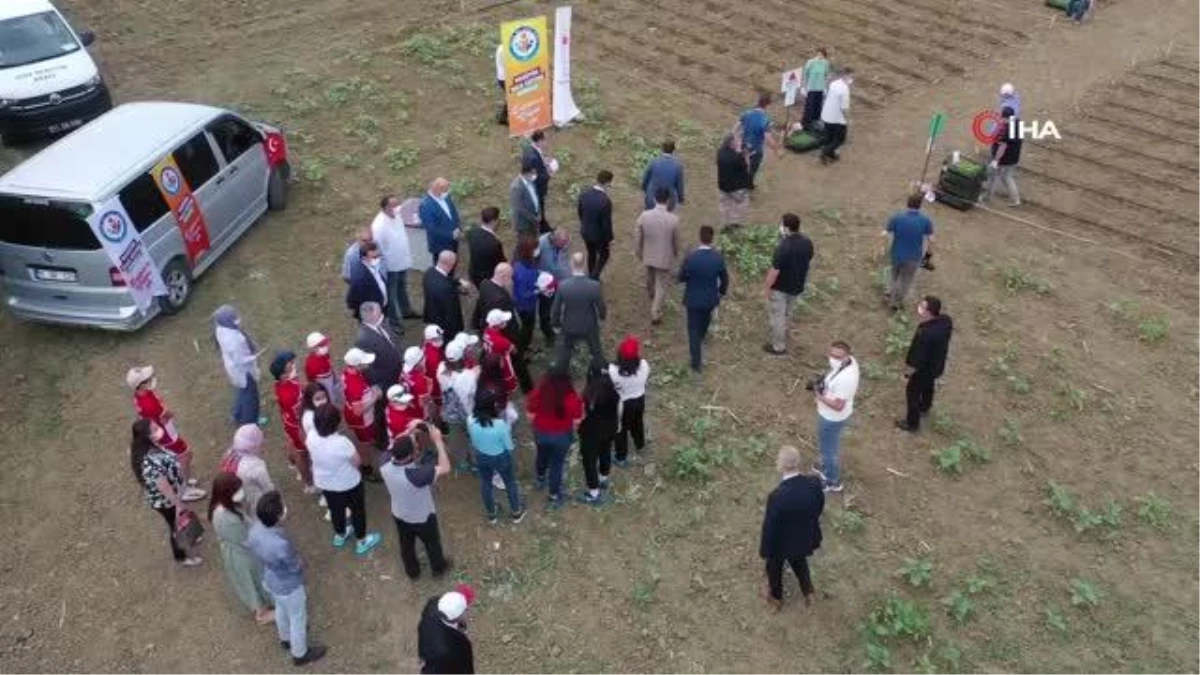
x=1161, y=195
x=1132, y=167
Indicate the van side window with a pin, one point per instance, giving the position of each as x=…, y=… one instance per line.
x=143, y=201
x=234, y=137
x=196, y=160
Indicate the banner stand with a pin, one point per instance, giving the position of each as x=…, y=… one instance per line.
x=565, y=110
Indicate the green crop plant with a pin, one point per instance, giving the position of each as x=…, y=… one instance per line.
x=1154, y=511
x=959, y=605
x=1017, y=280
x=898, y=336
x=1153, y=329
x=916, y=571
x=949, y=460
x=944, y=424
x=401, y=158
x=898, y=618
x=1010, y=433
x=1060, y=500
x=1055, y=619
x=848, y=521
x=313, y=170
x=1084, y=593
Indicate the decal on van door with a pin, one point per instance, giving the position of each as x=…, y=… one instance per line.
x=124, y=247
x=178, y=195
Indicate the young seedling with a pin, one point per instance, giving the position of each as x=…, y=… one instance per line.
x=949, y=460
x=313, y=170
x=1153, y=329
x=1059, y=499
x=1010, y=433
x=879, y=657
x=1154, y=511
x=916, y=571
x=1017, y=280
x=848, y=521
x=898, y=618
x=1084, y=593
x=1055, y=619
x=401, y=158
x=959, y=605
x=944, y=424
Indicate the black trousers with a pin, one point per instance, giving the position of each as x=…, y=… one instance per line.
x=525, y=331
x=812, y=108
x=597, y=258
x=354, y=499
x=168, y=514
x=835, y=135
x=633, y=423
x=595, y=451
x=565, y=349
x=544, y=305
x=775, y=575
x=698, y=321
x=430, y=536
x=918, y=395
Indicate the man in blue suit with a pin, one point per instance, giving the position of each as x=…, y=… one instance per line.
x=440, y=218
x=664, y=171
x=368, y=279
x=705, y=281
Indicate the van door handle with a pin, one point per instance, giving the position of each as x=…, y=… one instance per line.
x=220, y=179
x=232, y=170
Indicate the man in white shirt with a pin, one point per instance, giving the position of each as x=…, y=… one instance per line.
x=388, y=231
x=834, y=394
x=501, y=79
x=833, y=114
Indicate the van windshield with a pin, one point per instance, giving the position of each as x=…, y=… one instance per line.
x=46, y=224
x=34, y=37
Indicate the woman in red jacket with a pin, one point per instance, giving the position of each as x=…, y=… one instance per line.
x=554, y=411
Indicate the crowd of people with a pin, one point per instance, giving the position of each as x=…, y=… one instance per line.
x=454, y=400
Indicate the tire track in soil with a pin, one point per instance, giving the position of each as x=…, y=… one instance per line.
x=1108, y=194
x=986, y=25
x=1189, y=103
x=1191, y=169
x=1120, y=181
x=879, y=63
x=1136, y=111
x=898, y=24
x=1177, y=65
x=1176, y=136
x=922, y=56
x=1135, y=168
x=929, y=17
x=1169, y=81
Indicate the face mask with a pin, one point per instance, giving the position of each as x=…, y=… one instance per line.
x=783, y=232
x=834, y=363
x=373, y=263
x=237, y=323
x=153, y=383
x=239, y=496
x=323, y=351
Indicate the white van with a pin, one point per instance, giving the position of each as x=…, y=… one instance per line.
x=48, y=82
x=53, y=269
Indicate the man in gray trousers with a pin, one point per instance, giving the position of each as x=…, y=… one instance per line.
x=576, y=314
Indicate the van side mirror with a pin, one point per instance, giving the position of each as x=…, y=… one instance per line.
x=86, y=38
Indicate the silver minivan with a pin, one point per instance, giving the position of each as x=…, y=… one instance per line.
x=53, y=268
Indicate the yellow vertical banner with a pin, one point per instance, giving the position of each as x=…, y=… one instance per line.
x=527, y=82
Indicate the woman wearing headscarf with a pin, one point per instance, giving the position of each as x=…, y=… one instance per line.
x=242, y=569
x=244, y=460
x=240, y=355
x=733, y=182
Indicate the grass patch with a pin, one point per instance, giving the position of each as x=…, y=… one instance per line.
x=916, y=571
x=847, y=521
x=401, y=158
x=1017, y=280
x=1010, y=433
x=898, y=336
x=1153, y=329
x=1154, y=511
x=1066, y=506
x=949, y=460
x=751, y=249
x=1084, y=593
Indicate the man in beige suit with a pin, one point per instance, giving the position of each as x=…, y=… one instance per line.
x=657, y=237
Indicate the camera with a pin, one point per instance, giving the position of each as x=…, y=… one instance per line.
x=816, y=384
x=927, y=261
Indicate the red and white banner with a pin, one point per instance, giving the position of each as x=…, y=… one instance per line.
x=178, y=194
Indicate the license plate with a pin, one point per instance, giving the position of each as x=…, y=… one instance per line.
x=64, y=126
x=62, y=276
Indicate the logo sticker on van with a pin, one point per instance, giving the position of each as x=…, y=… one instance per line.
x=170, y=180
x=113, y=227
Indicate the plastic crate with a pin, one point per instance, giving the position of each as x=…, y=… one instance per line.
x=1058, y=4
x=803, y=141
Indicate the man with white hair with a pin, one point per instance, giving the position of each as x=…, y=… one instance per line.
x=439, y=217
x=1009, y=98
x=442, y=642
x=442, y=290
x=791, y=529
x=389, y=232
x=576, y=314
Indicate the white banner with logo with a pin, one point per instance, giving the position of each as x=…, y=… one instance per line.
x=124, y=247
x=565, y=110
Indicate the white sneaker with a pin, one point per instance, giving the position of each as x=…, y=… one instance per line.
x=194, y=561
x=191, y=494
x=497, y=482
x=192, y=482
x=327, y=517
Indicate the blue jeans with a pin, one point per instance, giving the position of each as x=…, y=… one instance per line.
x=829, y=437
x=291, y=620
x=502, y=465
x=697, y=328
x=245, y=403
x=552, y=452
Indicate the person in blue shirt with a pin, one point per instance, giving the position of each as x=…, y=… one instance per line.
x=553, y=258
x=664, y=171
x=756, y=133
x=911, y=234
x=705, y=281
x=491, y=436
x=283, y=577
x=525, y=291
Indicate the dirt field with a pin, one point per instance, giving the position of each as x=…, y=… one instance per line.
x=1074, y=359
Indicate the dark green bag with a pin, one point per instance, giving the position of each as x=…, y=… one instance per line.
x=803, y=141
x=1058, y=4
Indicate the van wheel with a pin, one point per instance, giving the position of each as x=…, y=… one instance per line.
x=277, y=190
x=178, y=280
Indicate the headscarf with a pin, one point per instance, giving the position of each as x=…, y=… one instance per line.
x=247, y=440
x=227, y=316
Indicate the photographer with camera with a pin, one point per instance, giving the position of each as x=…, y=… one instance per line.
x=834, y=394
x=912, y=234
x=410, y=485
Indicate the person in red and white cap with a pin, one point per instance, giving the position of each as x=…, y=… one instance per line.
x=149, y=406
x=497, y=342
x=417, y=381
x=433, y=347
x=629, y=375
x=318, y=367
x=359, y=409
x=442, y=642
x=400, y=412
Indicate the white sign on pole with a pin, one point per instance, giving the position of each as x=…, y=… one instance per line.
x=124, y=247
x=565, y=110
x=790, y=84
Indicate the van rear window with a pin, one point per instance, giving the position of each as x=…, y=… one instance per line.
x=46, y=224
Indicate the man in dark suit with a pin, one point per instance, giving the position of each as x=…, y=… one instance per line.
x=374, y=336
x=523, y=200
x=367, y=279
x=791, y=529
x=664, y=171
x=926, y=360
x=705, y=281
x=595, y=223
x=439, y=217
x=485, y=247
x=494, y=293
x=576, y=314
x=443, y=304
x=535, y=155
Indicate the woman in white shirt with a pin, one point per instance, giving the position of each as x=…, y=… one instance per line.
x=240, y=356
x=335, y=470
x=629, y=375
x=315, y=396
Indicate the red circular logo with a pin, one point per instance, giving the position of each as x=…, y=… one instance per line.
x=986, y=126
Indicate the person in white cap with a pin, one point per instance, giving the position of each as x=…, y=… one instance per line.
x=149, y=406
x=359, y=409
x=416, y=381
x=401, y=412
x=497, y=342
x=433, y=347
x=458, y=381
x=442, y=642
x=318, y=367
x=1009, y=98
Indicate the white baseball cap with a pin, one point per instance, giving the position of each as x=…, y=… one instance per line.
x=357, y=357
x=498, y=317
x=433, y=332
x=138, y=375
x=452, y=605
x=412, y=358
x=1006, y=89
x=315, y=340
x=455, y=350
x=399, y=394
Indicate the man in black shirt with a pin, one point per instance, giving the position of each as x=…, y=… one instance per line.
x=785, y=280
x=1006, y=153
x=926, y=360
x=442, y=642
